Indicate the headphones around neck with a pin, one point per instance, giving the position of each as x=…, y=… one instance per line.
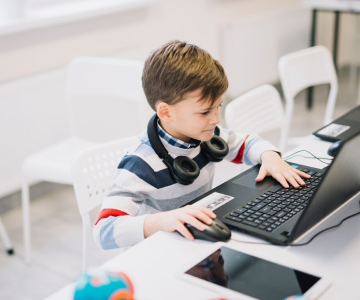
x=183, y=169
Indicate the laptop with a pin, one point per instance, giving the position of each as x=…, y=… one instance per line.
x=268, y=211
x=341, y=128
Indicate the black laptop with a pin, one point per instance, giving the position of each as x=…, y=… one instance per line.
x=341, y=128
x=271, y=212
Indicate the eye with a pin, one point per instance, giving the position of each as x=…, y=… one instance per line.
x=205, y=113
x=220, y=105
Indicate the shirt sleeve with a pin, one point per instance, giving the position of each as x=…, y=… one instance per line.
x=120, y=223
x=244, y=147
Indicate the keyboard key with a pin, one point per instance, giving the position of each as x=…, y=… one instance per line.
x=266, y=224
x=231, y=218
x=286, y=209
x=269, y=229
x=280, y=214
x=318, y=174
x=270, y=221
x=250, y=223
x=259, y=213
x=282, y=220
x=262, y=227
x=258, y=206
x=266, y=216
x=276, y=209
x=311, y=173
x=273, y=226
x=265, y=209
x=291, y=206
x=258, y=221
x=277, y=223
x=246, y=214
x=240, y=210
x=272, y=212
x=250, y=219
x=274, y=218
x=250, y=211
x=262, y=219
x=233, y=214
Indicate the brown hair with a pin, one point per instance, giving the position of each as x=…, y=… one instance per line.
x=177, y=68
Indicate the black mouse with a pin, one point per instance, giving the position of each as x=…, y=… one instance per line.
x=215, y=232
x=334, y=148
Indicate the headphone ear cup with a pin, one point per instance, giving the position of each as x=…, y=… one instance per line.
x=185, y=169
x=215, y=149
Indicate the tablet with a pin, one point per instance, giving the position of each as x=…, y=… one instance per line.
x=238, y=275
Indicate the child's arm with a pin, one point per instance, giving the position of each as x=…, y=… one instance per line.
x=174, y=220
x=252, y=150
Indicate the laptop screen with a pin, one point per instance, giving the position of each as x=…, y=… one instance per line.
x=339, y=183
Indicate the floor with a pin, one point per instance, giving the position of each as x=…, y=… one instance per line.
x=56, y=224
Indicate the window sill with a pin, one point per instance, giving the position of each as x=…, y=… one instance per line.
x=53, y=15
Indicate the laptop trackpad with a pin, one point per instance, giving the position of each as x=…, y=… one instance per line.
x=248, y=180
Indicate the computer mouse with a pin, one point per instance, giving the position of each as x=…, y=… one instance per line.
x=334, y=148
x=215, y=232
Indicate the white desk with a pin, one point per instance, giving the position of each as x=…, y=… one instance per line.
x=153, y=263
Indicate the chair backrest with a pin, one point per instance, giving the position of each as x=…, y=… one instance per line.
x=302, y=69
x=257, y=111
x=93, y=171
x=105, y=99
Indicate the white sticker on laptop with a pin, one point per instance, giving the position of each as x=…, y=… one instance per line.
x=333, y=130
x=214, y=201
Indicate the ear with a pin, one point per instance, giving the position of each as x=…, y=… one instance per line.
x=163, y=111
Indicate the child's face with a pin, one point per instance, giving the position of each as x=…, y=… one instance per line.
x=191, y=118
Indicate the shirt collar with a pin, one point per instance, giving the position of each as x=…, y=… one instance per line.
x=176, y=142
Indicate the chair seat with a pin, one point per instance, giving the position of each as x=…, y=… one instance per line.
x=54, y=163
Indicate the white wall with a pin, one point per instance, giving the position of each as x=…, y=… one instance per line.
x=32, y=108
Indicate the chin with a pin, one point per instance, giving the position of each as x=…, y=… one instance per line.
x=206, y=136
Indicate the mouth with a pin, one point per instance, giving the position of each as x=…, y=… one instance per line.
x=209, y=130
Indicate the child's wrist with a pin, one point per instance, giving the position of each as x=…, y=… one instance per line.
x=151, y=224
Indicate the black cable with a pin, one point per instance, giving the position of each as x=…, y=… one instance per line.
x=319, y=159
x=303, y=244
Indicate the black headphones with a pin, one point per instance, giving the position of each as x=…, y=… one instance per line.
x=183, y=169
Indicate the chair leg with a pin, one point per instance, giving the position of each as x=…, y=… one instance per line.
x=26, y=219
x=6, y=240
x=86, y=236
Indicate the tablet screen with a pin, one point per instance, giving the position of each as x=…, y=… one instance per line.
x=252, y=276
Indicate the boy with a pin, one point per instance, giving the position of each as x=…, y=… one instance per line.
x=184, y=85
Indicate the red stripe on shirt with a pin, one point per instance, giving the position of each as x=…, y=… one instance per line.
x=110, y=212
x=239, y=156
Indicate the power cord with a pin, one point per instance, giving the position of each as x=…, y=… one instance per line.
x=302, y=244
x=314, y=156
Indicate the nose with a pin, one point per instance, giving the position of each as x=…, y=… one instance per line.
x=215, y=117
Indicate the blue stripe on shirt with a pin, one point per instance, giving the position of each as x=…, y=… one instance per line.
x=249, y=144
x=160, y=179
x=107, y=234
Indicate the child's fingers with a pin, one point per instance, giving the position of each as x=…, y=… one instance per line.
x=184, y=232
x=290, y=179
x=297, y=177
x=208, y=212
x=262, y=174
x=192, y=221
x=201, y=215
x=279, y=177
x=302, y=174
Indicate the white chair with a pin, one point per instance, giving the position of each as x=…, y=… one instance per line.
x=257, y=111
x=4, y=236
x=105, y=101
x=93, y=174
x=303, y=69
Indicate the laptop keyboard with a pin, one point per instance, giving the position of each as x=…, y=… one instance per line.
x=271, y=209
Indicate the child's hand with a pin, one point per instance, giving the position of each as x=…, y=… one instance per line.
x=273, y=165
x=174, y=220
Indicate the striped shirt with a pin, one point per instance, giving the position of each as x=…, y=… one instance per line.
x=143, y=184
